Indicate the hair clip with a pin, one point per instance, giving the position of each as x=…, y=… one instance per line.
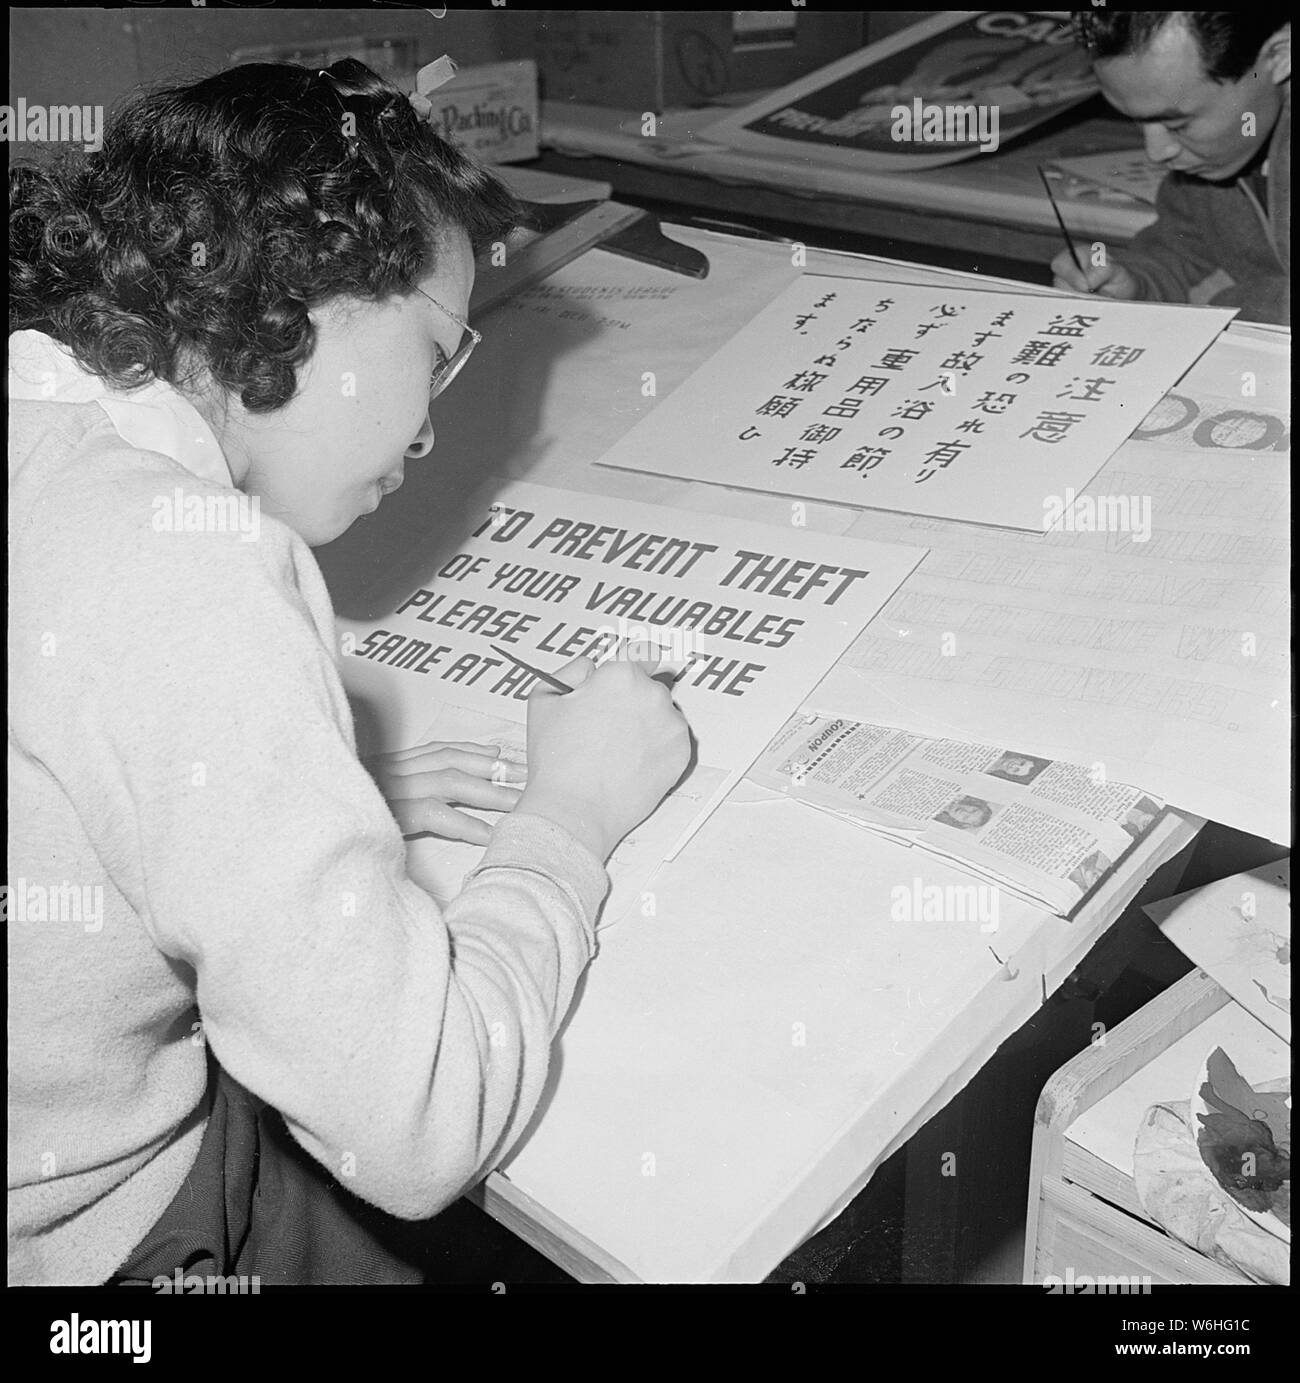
x=434, y=74
x=429, y=78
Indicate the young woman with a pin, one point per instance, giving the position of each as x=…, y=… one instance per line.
x=249, y=294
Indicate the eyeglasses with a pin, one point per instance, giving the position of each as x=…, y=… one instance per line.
x=443, y=374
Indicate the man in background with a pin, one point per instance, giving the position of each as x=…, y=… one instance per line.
x=1212, y=92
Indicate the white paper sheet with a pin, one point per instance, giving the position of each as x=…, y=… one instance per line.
x=992, y=408
x=752, y=1053
x=1165, y=661
x=1238, y=931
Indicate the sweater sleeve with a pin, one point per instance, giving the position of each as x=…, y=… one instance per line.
x=1170, y=257
x=215, y=772
x=1262, y=298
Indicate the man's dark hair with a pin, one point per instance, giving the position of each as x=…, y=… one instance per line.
x=1228, y=41
x=217, y=215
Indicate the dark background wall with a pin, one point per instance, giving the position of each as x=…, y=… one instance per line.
x=96, y=56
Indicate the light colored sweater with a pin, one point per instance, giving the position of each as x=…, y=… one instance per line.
x=181, y=756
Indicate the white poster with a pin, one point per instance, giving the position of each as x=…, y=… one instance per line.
x=987, y=407
x=944, y=89
x=754, y=614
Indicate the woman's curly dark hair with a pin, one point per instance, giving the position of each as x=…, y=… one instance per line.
x=216, y=214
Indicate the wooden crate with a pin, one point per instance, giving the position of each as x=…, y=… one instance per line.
x=1084, y=1214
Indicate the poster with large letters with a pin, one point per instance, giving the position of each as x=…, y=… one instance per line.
x=750, y=616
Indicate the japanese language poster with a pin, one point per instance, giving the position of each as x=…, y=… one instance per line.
x=967, y=405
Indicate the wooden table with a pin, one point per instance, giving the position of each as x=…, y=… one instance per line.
x=740, y=1061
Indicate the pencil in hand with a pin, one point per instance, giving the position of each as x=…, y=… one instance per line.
x=536, y=671
x=1060, y=221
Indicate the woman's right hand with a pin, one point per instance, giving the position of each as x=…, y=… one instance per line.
x=602, y=757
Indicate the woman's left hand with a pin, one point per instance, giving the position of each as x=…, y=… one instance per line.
x=424, y=785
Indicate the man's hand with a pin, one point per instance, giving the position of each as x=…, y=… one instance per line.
x=1103, y=280
x=424, y=785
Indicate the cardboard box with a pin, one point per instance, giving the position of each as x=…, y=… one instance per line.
x=491, y=111
x=655, y=60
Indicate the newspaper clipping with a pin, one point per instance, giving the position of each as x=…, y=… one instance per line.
x=1050, y=830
